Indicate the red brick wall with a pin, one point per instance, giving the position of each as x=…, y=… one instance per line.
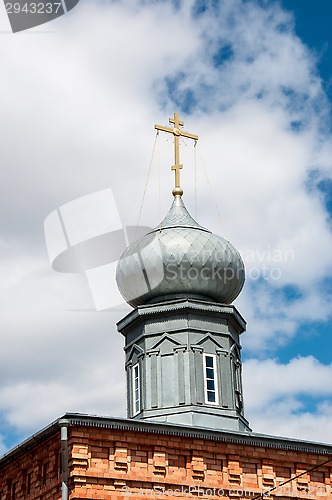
x=113, y=464
x=35, y=475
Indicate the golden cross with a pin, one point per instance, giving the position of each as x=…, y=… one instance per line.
x=177, y=132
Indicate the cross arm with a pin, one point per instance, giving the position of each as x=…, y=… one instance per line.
x=164, y=129
x=176, y=132
x=190, y=136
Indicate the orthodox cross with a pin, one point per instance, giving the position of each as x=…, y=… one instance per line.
x=177, y=132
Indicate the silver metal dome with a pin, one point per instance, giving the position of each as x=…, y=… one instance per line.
x=180, y=258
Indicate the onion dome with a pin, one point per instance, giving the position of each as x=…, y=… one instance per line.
x=180, y=259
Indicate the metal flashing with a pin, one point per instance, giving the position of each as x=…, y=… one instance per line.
x=237, y=437
x=182, y=304
x=118, y=423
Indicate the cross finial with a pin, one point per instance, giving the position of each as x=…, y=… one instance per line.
x=177, y=132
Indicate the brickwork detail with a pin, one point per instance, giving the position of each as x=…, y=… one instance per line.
x=116, y=464
x=155, y=466
x=121, y=458
x=159, y=463
x=197, y=467
x=36, y=475
x=234, y=471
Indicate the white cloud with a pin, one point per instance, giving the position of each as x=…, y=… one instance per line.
x=43, y=401
x=277, y=395
x=302, y=375
x=53, y=356
x=290, y=420
x=78, y=107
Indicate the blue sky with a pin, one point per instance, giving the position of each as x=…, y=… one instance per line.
x=312, y=25
x=79, y=100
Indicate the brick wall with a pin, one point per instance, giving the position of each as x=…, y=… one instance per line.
x=116, y=464
x=35, y=474
x=122, y=464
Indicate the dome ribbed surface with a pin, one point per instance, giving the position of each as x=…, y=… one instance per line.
x=180, y=258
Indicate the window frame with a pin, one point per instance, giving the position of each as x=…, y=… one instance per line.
x=136, y=402
x=215, y=379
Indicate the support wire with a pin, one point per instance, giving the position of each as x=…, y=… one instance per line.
x=267, y=493
x=146, y=183
x=209, y=184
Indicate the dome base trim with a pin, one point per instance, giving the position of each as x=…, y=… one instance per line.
x=179, y=296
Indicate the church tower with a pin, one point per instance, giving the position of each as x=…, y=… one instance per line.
x=186, y=434
x=182, y=338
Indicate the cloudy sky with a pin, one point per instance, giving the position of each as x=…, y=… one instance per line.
x=79, y=98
